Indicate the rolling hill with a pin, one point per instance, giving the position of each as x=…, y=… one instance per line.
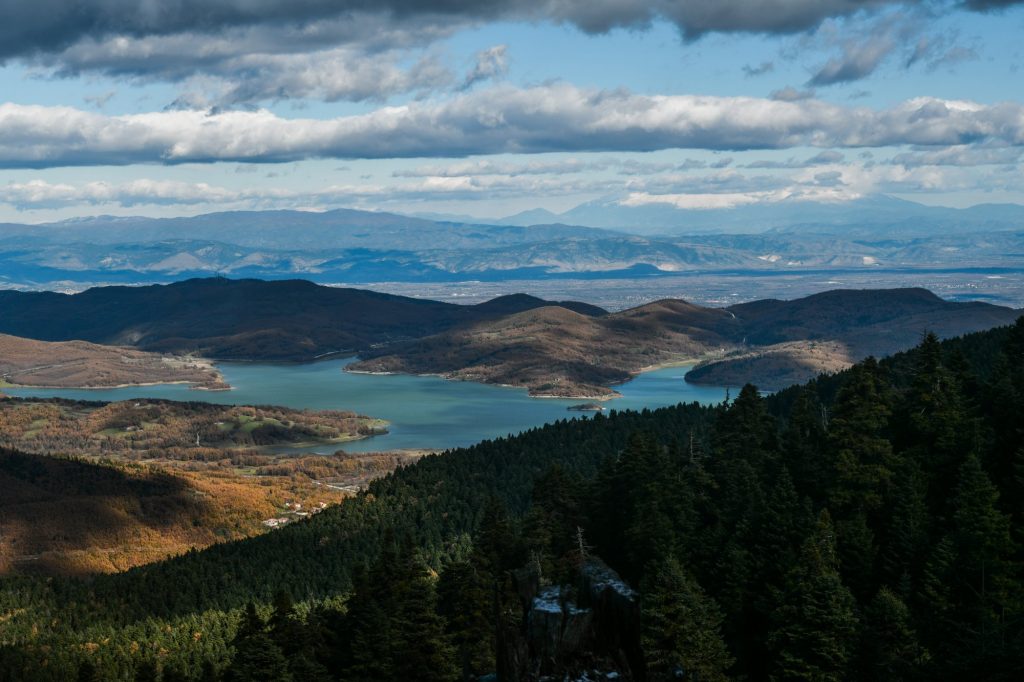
x=243, y=319
x=771, y=343
x=551, y=348
x=80, y=364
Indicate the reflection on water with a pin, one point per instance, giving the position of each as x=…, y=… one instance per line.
x=425, y=412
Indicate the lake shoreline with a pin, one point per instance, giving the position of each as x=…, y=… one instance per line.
x=423, y=413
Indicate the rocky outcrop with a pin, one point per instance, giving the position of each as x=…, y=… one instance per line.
x=590, y=629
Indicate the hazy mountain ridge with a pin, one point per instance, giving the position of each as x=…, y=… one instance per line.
x=347, y=246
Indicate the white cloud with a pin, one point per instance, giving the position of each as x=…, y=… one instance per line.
x=554, y=117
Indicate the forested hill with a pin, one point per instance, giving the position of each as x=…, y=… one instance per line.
x=244, y=319
x=865, y=526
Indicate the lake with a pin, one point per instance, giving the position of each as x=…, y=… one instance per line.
x=425, y=412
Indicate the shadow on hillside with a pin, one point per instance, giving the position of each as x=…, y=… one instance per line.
x=50, y=507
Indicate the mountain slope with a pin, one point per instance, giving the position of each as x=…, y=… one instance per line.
x=79, y=364
x=554, y=351
x=791, y=341
x=772, y=343
x=243, y=319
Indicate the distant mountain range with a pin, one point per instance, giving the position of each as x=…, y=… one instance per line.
x=352, y=247
x=867, y=215
x=553, y=348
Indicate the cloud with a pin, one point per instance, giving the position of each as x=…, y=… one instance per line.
x=330, y=61
x=556, y=117
x=490, y=64
x=824, y=158
x=49, y=26
x=34, y=26
x=759, y=70
x=791, y=94
x=99, y=101
x=859, y=59
x=479, y=168
x=722, y=189
x=961, y=156
x=42, y=194
x=241, y=52
x=864, y=44
x=991, y=5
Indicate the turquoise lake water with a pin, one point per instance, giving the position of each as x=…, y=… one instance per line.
x=425, y=412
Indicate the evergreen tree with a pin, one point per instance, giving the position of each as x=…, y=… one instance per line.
x=466, y=601
x=934, y=426
x=804, y=443
x=890, y=650
x=89, y=672
x=366, y=631
x=746, y=431
x=422, y=650
x=983, y=547
x=861, y=452
x=258, y=659
x=681, y=627
x=147, y=671
x=857, y=552
x=286, y=629
x=906, y=546
x=815, y=625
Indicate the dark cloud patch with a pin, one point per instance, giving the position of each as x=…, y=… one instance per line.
x=34, y=26
x=859, y=59
x=490, y=64
x=791, y=94
x=232, y=53
x=988, y=5
x=752, y=71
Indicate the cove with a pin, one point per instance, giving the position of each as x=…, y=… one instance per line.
x=425, y=412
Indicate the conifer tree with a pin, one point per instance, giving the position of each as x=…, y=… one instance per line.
x=890, y=649
x=982, y=543
x=862, y=454
x=147, y=671
x=681, y=627
x=422, y=650
x=466, y=601
x=803, y=444
x=906, y=547
x=815, y=625
x=258, y=659
x=935, y=427
x=746, y=431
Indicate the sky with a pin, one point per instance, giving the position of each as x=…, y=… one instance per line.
x=490, y=107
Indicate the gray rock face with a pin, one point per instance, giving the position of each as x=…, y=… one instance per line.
x=571, y=631
x=557, y=628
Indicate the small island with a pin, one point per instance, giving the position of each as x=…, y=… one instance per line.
x=586, y=407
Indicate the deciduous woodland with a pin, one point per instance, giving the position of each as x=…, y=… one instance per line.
x=127, y=483
x=149, y=428
x=866, y=525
